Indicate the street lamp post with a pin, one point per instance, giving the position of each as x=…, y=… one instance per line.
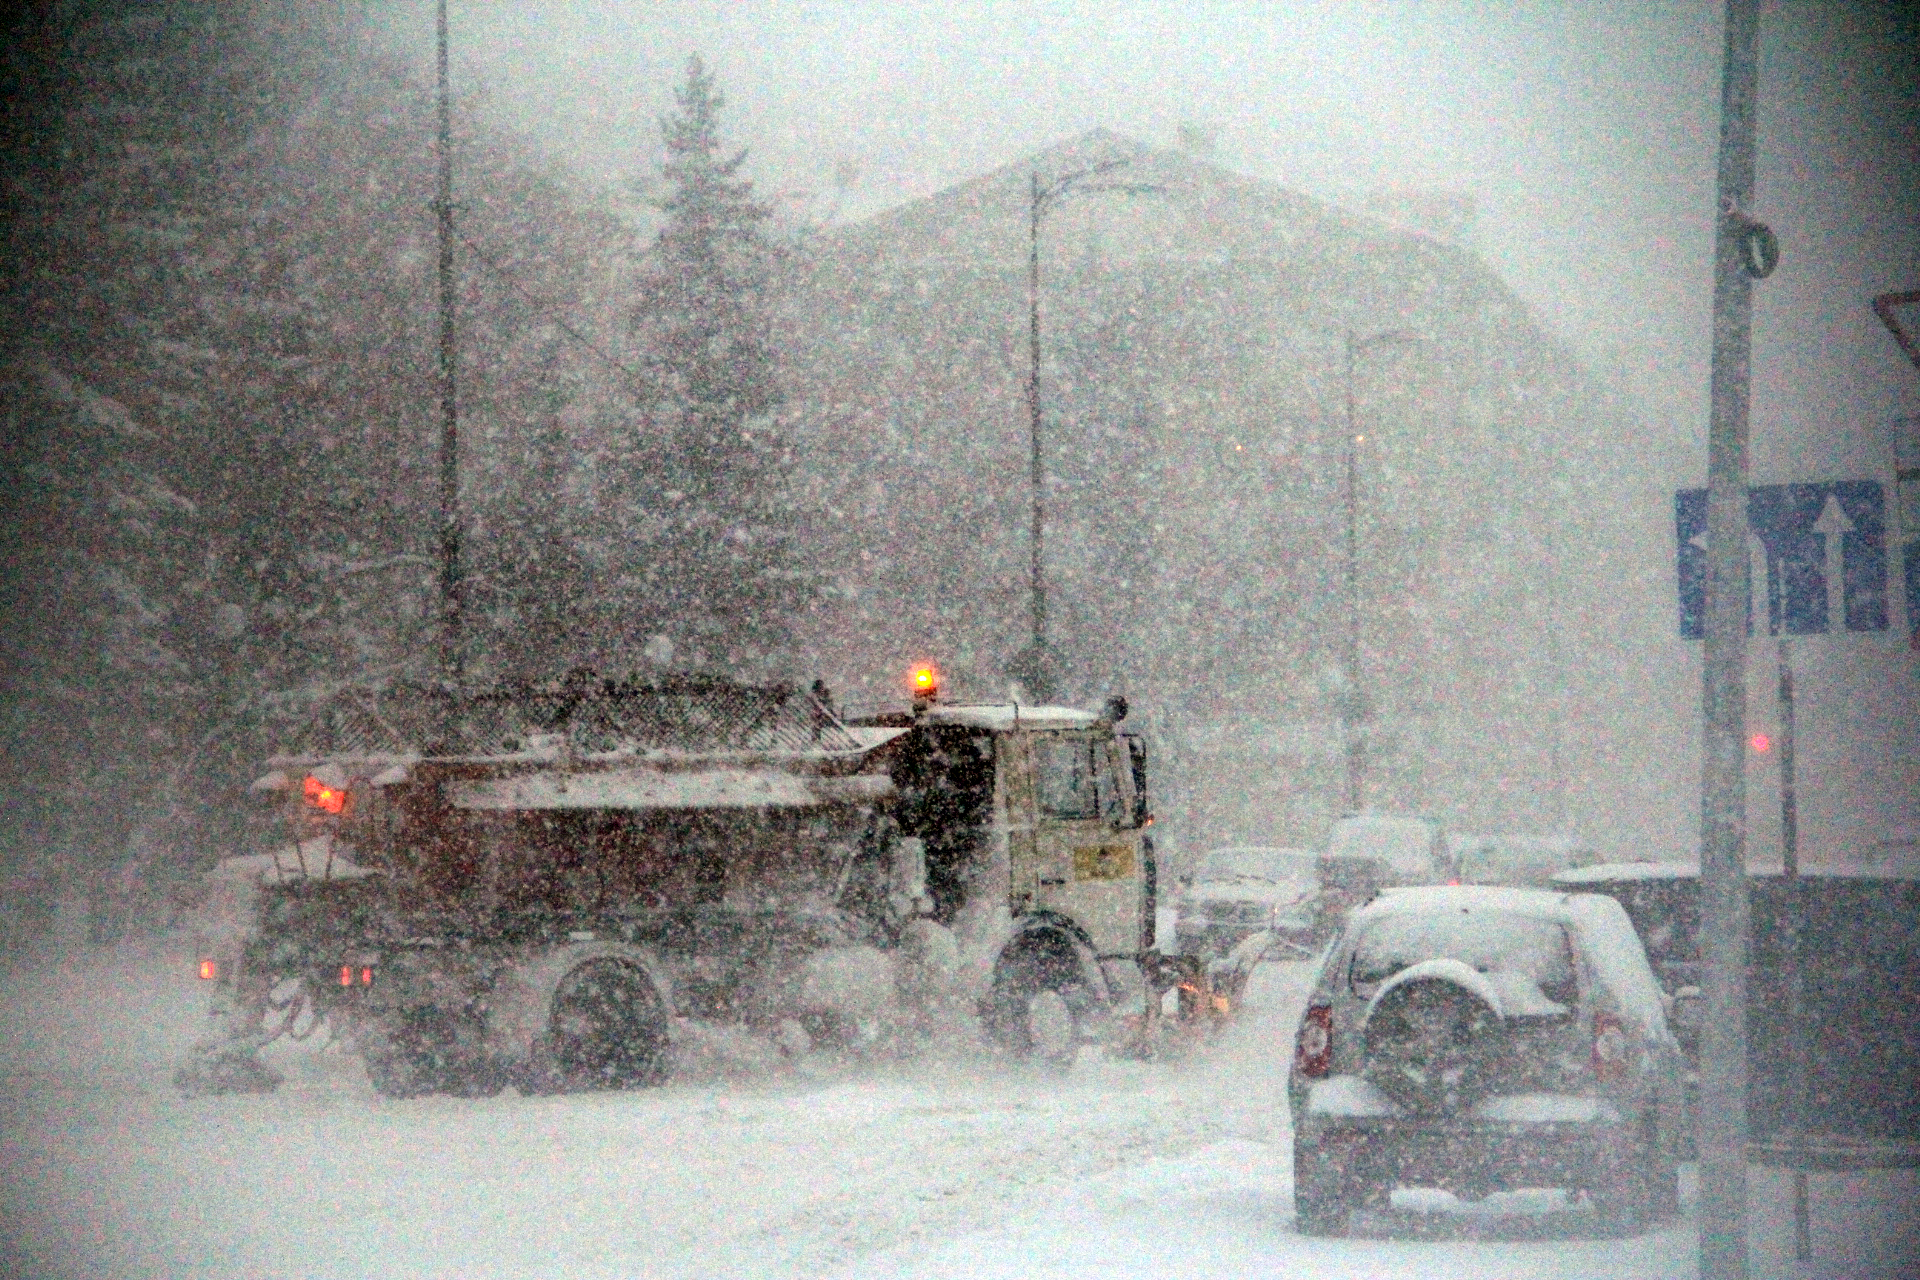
x=1354, y=710
x=1034, y=665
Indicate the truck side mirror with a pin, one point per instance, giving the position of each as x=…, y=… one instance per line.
x=1137, y=761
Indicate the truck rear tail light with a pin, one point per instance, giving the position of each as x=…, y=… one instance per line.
x=349, y=972
x=1609, y=1048
x=366, y=975
x=1313, y=1047
x=209, y=970
x=324, y=797
x=346, y=975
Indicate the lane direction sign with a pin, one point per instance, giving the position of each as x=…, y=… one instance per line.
x=1820, y=563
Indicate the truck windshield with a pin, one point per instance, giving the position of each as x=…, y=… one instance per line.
x=1075, y=777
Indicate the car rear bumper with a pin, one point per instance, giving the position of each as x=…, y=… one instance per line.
x=1470, y=1157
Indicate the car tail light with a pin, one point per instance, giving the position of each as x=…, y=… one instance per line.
x=209, y=970
x=1609, y=1048
x=1313, y=1047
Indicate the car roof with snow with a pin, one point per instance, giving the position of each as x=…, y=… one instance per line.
x=1618, y=958
x=1610, y=872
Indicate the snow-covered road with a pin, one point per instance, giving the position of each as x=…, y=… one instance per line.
x=930, y=1169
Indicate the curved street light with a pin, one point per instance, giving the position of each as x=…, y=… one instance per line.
x=1034, y=665
x=1354, y=710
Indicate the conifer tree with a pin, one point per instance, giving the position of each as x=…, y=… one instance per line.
x=711, y=528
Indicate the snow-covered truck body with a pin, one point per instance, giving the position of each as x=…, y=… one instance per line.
x=548, y=887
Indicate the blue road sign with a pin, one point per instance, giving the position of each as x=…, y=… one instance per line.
x=1825, y=552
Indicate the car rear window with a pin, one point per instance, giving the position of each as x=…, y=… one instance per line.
x=1490, y=941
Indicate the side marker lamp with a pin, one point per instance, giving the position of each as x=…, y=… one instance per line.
x=209, y=970
x=327, y=799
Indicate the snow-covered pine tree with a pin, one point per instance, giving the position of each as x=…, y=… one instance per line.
x=709, y=556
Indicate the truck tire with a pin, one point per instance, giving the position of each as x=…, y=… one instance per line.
x=1040, y=1006
x=419, y=1052
x=1432, y=1046
x=606, y=1029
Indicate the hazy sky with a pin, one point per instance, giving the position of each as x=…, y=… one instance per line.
x=1585, y=132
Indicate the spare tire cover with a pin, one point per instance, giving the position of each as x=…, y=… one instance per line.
x=1434, y=1036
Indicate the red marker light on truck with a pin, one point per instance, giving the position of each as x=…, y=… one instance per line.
x=1313, y=1048
x=366, y=976
x=346, y=975
x=209, y=970
x=323, y=797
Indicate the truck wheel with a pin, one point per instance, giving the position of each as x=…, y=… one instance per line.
x=407, y=1055
x=607, y=1029
x=1038, y=1007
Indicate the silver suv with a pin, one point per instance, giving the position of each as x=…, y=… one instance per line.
x=1477, y=1040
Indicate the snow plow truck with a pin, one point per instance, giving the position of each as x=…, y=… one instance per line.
x=547, y=887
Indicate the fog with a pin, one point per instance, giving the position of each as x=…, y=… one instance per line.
x=1581, y=145
x=1418, y=284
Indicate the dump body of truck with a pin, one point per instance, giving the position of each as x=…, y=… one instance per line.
x=547, y=884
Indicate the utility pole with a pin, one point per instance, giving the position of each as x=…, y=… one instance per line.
x=450, y=587
x=1743, y=250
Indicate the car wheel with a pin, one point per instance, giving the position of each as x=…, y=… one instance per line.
x=1622, y=1196
x=1321, y=1199
x=1663, y=1177
x=606, y=1029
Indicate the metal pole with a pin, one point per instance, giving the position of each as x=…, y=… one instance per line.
x=1041, y=677
x=1793, y=926
x=1722, y=1132
x=1350, y=714
x=450, y=592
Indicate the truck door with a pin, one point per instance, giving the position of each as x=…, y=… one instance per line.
x=1016, y=804
x=1086, y=844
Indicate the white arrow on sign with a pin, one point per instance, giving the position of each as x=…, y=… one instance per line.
x=1832, y=523
x=1759, y=584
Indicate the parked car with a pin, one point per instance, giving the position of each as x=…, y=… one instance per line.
x=1477, y=1039
x=1528, y=862
x=1347, y=881
x=1413, y=849
x=1860, y=982
x=1240, y=890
